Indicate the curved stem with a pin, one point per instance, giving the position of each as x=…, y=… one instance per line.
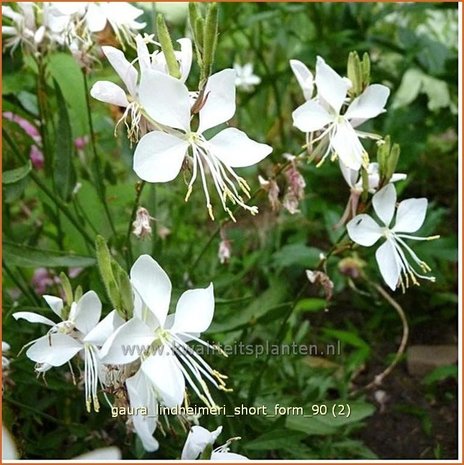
x=377, y=381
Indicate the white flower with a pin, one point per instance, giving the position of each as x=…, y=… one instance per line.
x=77, y=331
x=324, y=113
x=159, y=339
x=109, y=92
x=392, y=255
x=159, y=156
x=200, y=438
x=354, y=180
x=245, y=79
x=304, y=77
x=122, y=17
x=10, y=451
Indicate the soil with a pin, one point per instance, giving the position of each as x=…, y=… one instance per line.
x=415, y=421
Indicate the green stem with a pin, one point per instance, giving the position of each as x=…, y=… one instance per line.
x=54, y=198
x=23, y=288
x=99, y=182
x=129, y=255
x=255, y=384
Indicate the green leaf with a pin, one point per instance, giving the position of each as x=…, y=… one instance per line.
x=249, y=315
x=276, y=439
x=296, y=254
x=31, y=257
x=310, y=426
x=338, y=413
x=17, y=174
x=64, y=174
x=66, y=72
x=440, y=374
x=311, y=305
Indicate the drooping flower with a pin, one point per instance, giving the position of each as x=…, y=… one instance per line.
x=159, y=155
x=158, y=340
x=225, y=248
x=326, y=114
x=141, y=225
x=200, y=438
x=245, y=79
x=78, y=331
x=295, y=186
x=354, y=180
x=394, y=254
x=273, y=191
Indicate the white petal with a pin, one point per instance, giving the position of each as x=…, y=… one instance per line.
x=142, y=53
x=159, y=156
x=345, y=143
x=195, y=310
x=125, y=70
x=9, y=450
x=165, y=375
x=104, y=329
x=384, y=202
x=219, y=106
x=153, y=285
x=165, y=99
x=304, y=77
x=330, y=85
x=33, y=318
x=55, y=303
x=369, y=104
x=127, y=343
x=109, y=92
x=389, y=264
x=234, y=148
x=311, y=117
x=105, y=453
x=185, y=58
x=225, y=456
x=141, y=395
x=54, y=349
x=88, y=312
x=410, y=215
x=95, y=17
x=398, y=177
x=351, y=176
x=363, y=230
x=197, y=440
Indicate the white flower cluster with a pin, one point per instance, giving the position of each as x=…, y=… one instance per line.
x=147, y=357
x=161, y=109
x=330, y=119
x=38, y=27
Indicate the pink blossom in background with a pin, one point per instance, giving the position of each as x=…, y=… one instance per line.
x=37, y=157
x=27, y=126
x=81, y=142
x=42, y=280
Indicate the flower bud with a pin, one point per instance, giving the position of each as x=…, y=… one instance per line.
x=141, y=225
x=351, y=267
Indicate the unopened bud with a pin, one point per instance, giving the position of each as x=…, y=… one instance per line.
x=351, y=267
